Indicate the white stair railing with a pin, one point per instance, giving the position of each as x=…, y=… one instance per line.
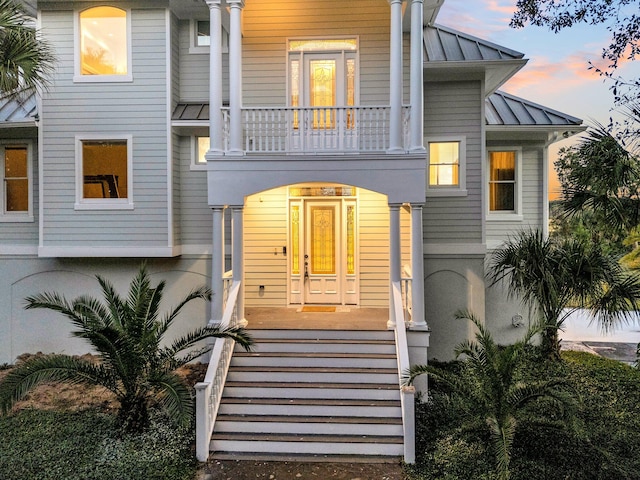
x=407, y=392
x=209, y=391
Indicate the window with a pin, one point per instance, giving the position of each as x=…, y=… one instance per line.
x=503, y=180
x=16, y=183
x=199, y=147
x=200, y=32
x=446, y=167
x=104, y=45
x=104, y=173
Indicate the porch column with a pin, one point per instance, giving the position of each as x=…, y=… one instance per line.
x=215, y=79
x=395, y=80
x=417, y=269
x=235, y=77
x=237, y=261
x=416, y=88
x=217, y=265
x=394, y=257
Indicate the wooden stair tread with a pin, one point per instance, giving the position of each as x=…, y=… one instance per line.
x=311, y=401
x=289, y=457
x=316, y=355
x=292, y=437
x=325, y=341
x=345, y=386
x=337, y=370
x=308, y=419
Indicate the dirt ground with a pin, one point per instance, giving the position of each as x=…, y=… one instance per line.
x=244, y=470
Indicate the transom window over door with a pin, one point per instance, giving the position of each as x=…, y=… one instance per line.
x=323, y=81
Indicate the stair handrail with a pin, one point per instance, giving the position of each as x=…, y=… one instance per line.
x=209, y=391
x=407, y=392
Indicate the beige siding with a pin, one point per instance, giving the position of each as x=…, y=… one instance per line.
x=454, y=109
x=265, y=233
x=267, y=25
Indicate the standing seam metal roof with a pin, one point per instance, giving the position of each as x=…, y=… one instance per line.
x=502, y=108
x=444, y=44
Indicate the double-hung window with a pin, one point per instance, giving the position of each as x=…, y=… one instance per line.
x=104, y=173
x=446, y=167
x=17, y=197
x=504, y=182
x=103, y=45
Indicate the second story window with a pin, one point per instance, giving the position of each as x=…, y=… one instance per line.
x=16, y=185
x=104, y=50
x=200, y=33
x=104, y=173
x=446, y=167
x=203, y=33
x=503, y=181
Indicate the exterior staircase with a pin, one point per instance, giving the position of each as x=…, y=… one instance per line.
x=312, y=395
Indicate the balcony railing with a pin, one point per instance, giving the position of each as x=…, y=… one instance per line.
x=316, y=129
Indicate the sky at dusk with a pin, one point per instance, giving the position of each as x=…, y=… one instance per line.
x=557, y=74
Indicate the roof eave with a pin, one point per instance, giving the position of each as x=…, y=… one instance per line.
x=496, y=72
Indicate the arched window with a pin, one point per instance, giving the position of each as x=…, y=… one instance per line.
x=104, y=46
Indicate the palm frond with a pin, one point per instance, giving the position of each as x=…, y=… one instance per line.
x=202, y=292
x=174, y=396
x=28, y=375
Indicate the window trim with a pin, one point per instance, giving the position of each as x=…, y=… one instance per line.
x=498, y=215
x=103, y=203
x=18, y=217
x=196, y=49
x=77, y=75
x=195, y=166
x=448, y=191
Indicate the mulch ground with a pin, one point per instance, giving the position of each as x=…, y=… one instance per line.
x=245, y=469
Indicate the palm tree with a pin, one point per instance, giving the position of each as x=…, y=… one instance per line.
x=489, y=384
x=127, y=335
x=557, y=278
x=26, y=59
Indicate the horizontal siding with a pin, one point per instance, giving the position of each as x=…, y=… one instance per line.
x=196, y=222
x=267, y=25
x=374, y=249
x=138, y=108
x=22, y=233
x=454, y=109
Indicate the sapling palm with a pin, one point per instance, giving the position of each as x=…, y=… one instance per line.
x=133, y=361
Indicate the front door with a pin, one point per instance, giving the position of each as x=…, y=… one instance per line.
x=322, y=251
x=323, y=259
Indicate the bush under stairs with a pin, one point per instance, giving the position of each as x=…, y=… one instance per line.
x=312, y=394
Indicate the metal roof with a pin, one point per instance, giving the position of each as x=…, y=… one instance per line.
x=444, y=44
x=18, y=110
x=502, y=108
x=191, y=112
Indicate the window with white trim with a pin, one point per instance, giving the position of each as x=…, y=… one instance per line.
x=17, y=187
x=504, y=181
x=446, y=167
x=199, y=148
x=200, y=34
x=103, y=45
x=104, y=172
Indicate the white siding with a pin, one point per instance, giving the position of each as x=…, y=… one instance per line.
x=137, y=108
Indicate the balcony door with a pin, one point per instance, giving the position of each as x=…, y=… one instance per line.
x=322, y=82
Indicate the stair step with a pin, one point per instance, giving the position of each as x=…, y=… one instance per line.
x=311, y=407
x=311, y=390
x=259, y=334
x=259, y=373
x=307, y=444
x=308, y=419
x=314, y=360
x=287, y=457
x=323, y=345
x=312, y=385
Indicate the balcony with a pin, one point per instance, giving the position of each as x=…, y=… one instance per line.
x=315, y=130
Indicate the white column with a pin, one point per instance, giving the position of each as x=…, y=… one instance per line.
x=394, y=256
x=416, y=89
x=215, y=80
x=237, y=261
x=217, y=265
x=395, y=80
x=417, y=269
x=235, y=77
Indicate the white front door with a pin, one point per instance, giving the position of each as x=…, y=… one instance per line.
x=322, y=251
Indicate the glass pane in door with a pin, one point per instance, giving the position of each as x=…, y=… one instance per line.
x=323, y=242
x=322, y=91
